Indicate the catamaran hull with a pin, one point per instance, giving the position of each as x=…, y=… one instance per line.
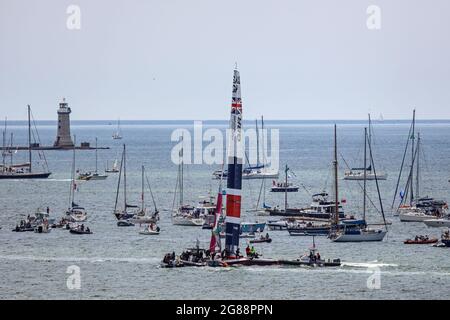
x=42, y=175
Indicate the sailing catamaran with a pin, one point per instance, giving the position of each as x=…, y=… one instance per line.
x=22, y=171
x=74, y=213
x=184, y=214
x=358, y=173
x=118, y=134
x=419, y=208
x=357, y=230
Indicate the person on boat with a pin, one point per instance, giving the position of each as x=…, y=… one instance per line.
x=157, y=229
x=248, y=251
x=238, y=253
x=253, y=252
x=318, y=256
x=88, y=230
x=48, y=210
x=267, y=236
x=82, y=227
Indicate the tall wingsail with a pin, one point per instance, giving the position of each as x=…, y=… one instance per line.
x=234, y=177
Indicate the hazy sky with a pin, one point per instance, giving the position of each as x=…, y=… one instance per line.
x=172, y=59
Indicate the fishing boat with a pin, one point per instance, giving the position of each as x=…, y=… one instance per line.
x=417, y=209
x=118, y=134
x=421, y=240
x=25, y=170
x=88, y=176
x=184, y=214
x=123, y=215
x=260, y=170
x=354, y=232
x=74, y=213
x=113, y=169
x=365, y=173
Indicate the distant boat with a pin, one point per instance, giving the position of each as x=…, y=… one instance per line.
x=284, y=186
x=118, y=134
x=74, y=213
x=93, y=176
x=258, y=171
x=25, y=170
x=113, y=169
x=358, y=173
x=184, y=214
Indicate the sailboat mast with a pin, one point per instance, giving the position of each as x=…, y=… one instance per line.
x=285, y=188
x=72, y=175
x=3, y=147
x=257, y=143
x=418, y=167
x=336, y=191
x=96, y=156
x=142, y=190
x=124, y=178
x=234, y=178
x=182, y=172
x=370, y=130
x=365, y=171
x=29, y=136
x=412, y=157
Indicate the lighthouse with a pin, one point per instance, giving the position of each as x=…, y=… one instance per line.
x=63, y=138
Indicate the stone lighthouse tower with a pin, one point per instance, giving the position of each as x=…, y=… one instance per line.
x=63, y=138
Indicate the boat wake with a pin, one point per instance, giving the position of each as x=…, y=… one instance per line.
x=371, y=264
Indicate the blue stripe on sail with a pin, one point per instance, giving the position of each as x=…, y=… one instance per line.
x=234, y=176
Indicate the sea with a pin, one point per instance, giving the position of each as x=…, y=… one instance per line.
x=119, y=263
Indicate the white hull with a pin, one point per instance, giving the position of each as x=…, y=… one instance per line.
x=260, y=175
x=149, y=232
x=362, y=237
x=381, y=176
x=415, y=217
x=437, y=223
x=187, y=221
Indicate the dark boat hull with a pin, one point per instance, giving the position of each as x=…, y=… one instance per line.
x=79, y=232
x=41, y=175
x=295, y=189
x=261, y=240
x=299, y=213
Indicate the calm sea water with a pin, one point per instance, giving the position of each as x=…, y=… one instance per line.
x=119, y=263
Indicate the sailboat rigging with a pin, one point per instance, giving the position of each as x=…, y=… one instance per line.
x=22, y=171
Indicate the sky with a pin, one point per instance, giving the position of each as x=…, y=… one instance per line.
x=174, y=59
